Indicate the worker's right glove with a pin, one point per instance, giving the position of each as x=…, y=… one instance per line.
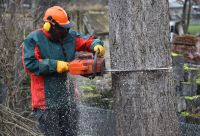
x=62, y=66
x=99, y=48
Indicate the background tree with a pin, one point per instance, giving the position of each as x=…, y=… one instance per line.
x=14, y=106
x=187, y=6
x=144, y=101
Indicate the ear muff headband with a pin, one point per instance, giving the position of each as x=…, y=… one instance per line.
x=51, y=21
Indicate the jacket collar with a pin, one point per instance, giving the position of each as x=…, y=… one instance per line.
x=46, y=34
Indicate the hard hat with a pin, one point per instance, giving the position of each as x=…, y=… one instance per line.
x=58, y=14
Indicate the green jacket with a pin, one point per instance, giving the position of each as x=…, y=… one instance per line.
x=50, y=89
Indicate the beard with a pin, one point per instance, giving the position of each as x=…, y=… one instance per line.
x=58, y=34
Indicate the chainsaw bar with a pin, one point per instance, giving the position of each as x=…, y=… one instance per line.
x=137, y=70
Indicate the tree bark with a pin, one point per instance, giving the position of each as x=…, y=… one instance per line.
x=145, y=102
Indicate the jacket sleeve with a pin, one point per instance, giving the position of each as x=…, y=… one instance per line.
x=32, y=61
x=86, y=42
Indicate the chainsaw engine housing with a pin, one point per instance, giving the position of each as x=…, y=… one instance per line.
x=87, y=64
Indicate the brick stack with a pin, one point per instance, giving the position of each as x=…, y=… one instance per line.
x=186, y=64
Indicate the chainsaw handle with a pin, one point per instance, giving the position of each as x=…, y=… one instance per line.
x=94, y=65
x=95, y=62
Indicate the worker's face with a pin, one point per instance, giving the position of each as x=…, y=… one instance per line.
x=62, y=33
x=59, y=33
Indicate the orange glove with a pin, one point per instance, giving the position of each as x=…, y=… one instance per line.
x=62, y=66
x=99, y=48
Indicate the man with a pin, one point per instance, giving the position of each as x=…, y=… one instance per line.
x=46, y=54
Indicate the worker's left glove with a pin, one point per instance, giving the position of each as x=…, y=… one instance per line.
x=99, y=48
x=62, y=66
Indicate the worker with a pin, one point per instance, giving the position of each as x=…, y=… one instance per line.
x=46, y=54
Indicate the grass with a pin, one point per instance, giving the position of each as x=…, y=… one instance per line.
x=194, y=29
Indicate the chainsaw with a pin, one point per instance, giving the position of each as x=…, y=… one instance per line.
x=91, y=65
x=88, y=65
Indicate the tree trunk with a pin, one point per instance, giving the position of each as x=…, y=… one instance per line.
x=145, y=102
x=186, y=14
